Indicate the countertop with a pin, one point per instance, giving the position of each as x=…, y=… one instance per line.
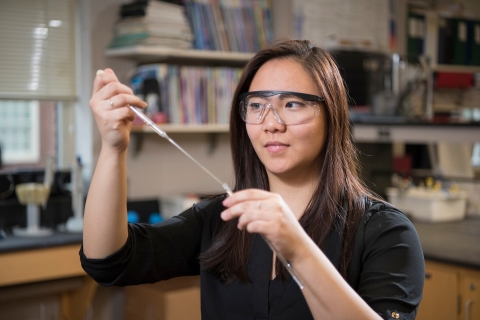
x=456, y=242
x=16, y=243
x=403, y=121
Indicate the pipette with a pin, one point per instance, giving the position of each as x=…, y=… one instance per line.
x=163, y=134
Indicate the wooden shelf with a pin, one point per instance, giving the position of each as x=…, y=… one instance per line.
x=415, y=133
x=154, y=54
x=211, y=129
x=184, y=128
x=456, y=68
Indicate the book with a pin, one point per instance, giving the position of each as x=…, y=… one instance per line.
x=473, y=43
x=152, y=23
x=189, y=94
x=154, y=8
x=230, y=25
x=445, y=41
x=415, y=34
x=220, y=25
x=148, y=40
x=459, y=42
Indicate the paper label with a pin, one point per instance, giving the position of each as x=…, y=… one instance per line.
x=411, y=27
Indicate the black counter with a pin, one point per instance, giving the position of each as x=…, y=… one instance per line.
x=404, y=121
x=16, y=243
x=451, y=242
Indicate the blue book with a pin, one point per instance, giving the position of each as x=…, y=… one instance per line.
x=473, y=43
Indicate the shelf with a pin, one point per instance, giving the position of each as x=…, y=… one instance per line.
x=456, y=68
x=415, y=133
x=184, y=128
x=211, y=129
x=154, y=54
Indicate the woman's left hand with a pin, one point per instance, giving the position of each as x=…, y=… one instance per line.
x=263, y=212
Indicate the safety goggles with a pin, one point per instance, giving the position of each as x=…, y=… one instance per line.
x=290, y=108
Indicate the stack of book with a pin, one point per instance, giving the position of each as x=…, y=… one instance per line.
x=188, y=94
x=152, y=22
x=230, y=25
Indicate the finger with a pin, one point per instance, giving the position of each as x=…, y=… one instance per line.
x=102, y=78
x=114, y=119
x=110, y=72
x=111, y=89
x=122, y=114
x=124, y=100
x=251, y=216
x=240, y=208
x=246, y=195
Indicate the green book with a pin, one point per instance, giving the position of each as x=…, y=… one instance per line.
x=460, y=41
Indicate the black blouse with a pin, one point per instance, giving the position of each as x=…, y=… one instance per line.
x=387, y=269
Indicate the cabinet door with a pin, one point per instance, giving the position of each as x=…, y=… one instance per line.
x=46, y=307
x=440, y=294
x=470, y=295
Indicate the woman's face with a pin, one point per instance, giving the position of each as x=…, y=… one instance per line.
x=288, y=151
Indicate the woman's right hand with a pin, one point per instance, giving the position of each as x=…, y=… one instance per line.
x=110, y=105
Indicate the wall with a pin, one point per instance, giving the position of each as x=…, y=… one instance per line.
x=161, y=169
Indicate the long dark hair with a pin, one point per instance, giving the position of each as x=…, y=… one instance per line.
x=339, y=200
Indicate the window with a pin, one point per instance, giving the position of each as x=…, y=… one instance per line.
x=38, y=75
x=19, y=131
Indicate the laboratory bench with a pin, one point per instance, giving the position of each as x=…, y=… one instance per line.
x=41, y=277
x=456, y=242
x=452, y=269
x=32, y=269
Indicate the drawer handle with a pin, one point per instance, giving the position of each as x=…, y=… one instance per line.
x=467, y=309
x=428, y=275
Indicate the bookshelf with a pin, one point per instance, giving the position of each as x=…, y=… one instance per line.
x=154, y=54
x=456, y=68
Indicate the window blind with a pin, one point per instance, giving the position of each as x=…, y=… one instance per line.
x=37, y=49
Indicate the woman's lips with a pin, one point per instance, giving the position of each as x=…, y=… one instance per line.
x=275, y=146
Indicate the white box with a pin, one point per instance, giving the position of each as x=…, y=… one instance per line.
x=429, y=206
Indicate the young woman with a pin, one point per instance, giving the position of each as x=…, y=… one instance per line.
x=296, y=184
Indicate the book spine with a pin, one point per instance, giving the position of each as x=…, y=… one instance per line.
x=460, y=42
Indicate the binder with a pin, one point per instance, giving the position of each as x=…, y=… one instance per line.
x=473, y=43
x=445, y=41
x=460, y=42
x=415, y=34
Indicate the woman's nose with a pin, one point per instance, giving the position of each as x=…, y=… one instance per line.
x=271, y=121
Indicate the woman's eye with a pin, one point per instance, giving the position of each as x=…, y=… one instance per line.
x=255, y=106
x=294, y=105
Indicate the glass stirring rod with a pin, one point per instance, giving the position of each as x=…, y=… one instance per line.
x=225, y=186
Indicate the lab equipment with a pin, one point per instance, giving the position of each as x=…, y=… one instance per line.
x=132, y=216
x=33, y=195
x=75, y=222
x=225, y=186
